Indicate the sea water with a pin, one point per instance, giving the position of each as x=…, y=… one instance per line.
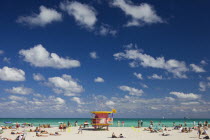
x=128, y=122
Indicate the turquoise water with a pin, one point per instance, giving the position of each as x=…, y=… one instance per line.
x=128, y=121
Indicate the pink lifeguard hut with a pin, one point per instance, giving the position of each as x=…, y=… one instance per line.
x=102, y=119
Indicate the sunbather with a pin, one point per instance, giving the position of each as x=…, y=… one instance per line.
x=56, y=134
x=40, y=135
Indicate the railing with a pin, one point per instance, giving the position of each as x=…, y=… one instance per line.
x=102, y=121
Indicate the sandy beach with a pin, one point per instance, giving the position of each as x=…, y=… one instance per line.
x=88, y=134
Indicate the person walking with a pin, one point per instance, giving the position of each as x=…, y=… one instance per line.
x=80, y=129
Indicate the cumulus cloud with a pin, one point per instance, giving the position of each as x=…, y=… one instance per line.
x=20, y=90
x=99, y=80
x=66, y=85
x=46, y=16
x=181, y=95
x=77, y=100
x=204, y=85
x=138, y=75
x=155, y=76
x=38, y=77
x=131, y=90
x=60, y=100
x=140, y=14
x=93, y=55
x=109, y=103
x=197, y=68
x=12, y=74
x=85, y=15
x=38, y=56
x=178, y=68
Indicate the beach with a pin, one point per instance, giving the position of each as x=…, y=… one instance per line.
x=130, y=133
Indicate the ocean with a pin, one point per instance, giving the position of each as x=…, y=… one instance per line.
x=128, y=122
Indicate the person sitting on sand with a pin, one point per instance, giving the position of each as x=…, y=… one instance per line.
x=121, y=136
x=113, y=135
x=40, y=135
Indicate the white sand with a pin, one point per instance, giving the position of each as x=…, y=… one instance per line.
x=128, y=132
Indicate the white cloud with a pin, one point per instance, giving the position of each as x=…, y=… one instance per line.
x=178, y=68
x=131, y=90
x=197, y=68
x=105, y=30
x=155, y=76
x=65, y=84
x=138, y=75
x=204, y=85
x=1, y=52
x=140, y=14
x=60, y=100
x=17, y=98
x=84, y=14
x=12, y=74
x=110, y=103
x=181, y=95
x=77, y=100
x=208, y=78
x=38, y=56
x=203, y=62
x=93, y=55
x=144, y=85
x=38, y=77
x=20, y=90
x=99, y=80
x=190, y=103
x=46, y=16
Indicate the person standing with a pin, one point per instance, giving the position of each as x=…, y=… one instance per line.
x=118, y=123
x=199, y=132
x=123, y=123
x=68, y=124
x=139, y=123
x=76, y=124
x=61, y=127
x=185, y=124
x=80, y=129
x=64, y=127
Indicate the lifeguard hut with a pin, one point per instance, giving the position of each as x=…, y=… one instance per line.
x=102, y=119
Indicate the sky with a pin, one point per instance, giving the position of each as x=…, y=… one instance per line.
x=144, y=58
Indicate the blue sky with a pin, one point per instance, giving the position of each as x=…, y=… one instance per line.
x=67, y=58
